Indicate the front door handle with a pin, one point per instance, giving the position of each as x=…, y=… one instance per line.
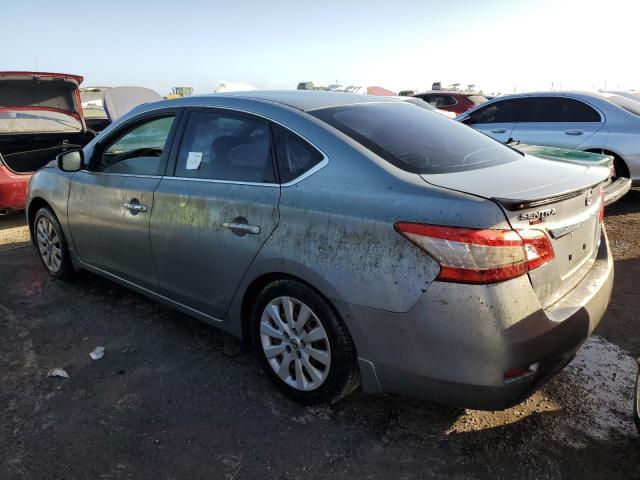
x=135, y=207
x=573, y=132
x=242, y=228
x=499, y=130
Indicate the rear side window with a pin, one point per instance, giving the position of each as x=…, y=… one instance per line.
x=224, y=147
x=295, y=155
x=504, y=111
x=415, y=139
x=562, y=110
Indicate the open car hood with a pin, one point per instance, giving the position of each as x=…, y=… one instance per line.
x=40, y=102
x=121, y=100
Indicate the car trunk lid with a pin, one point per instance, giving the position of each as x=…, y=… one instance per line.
x=562, y=199
x=37, y=102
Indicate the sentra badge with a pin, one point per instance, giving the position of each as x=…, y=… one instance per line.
x=538, y=216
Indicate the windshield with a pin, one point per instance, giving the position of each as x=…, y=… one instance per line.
x=415, y=139
x=630, y=105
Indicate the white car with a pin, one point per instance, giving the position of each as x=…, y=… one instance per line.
x=592, y=122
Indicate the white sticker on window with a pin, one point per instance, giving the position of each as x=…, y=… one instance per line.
x=193, y=160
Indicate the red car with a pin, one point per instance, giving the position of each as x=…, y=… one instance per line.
x=40, y=116
x=456, y=102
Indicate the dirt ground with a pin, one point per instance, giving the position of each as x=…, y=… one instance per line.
x=173, y=398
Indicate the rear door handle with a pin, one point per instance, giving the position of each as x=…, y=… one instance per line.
x=499, y=130
x=242, y=228
x=574, y=132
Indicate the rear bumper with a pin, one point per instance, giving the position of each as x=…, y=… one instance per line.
x=13, y=189
x=456, y=344
x=616, y=190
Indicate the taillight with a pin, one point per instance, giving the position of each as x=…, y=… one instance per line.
x=468, y=255
x=601, y=216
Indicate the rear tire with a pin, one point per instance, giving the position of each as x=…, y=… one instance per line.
x=52, y=244
x=303, y=345
x=620, y=167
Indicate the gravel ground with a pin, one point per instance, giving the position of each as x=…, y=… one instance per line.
x=173, y=398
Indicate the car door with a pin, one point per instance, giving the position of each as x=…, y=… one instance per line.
x=558, y=122
x=111, y=201
x=213, y=214
x=496, y=119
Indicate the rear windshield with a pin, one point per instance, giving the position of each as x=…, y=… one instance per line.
x=477, y=99
x=628, y=104
x=415, y=139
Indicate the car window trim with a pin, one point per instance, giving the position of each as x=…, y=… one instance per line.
x=136, y=175
x=98, y=148
x=170, y=173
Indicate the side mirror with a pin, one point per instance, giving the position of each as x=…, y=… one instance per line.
x=70, y=161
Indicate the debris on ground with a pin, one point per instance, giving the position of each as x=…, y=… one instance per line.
x=97, y=353
x=58, y=372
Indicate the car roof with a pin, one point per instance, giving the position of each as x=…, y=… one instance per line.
x=304, y=100
x=447, y=92
x=559, y=93
x=301, y=100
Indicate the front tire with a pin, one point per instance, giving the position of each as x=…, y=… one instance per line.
x=303, y=345
x=52, y=244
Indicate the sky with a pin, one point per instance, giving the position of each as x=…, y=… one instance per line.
x=500, y=46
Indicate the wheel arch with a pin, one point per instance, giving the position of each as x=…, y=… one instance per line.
x=617, y=158
x=36, y=204
x=252, y=292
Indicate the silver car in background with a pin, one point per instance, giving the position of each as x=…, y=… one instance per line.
x=594, y=122
x=349, y=239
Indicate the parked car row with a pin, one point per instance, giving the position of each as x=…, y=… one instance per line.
x=350, y=240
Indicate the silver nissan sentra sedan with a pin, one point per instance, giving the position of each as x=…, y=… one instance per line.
x=350, y=240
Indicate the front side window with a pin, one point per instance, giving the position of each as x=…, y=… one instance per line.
x=561, y=110
x=218, y=146
x=139, y=151
x=295, y=156
x=415, y=139
x=504, y=111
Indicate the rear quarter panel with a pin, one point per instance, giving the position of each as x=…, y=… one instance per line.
x=336, y=230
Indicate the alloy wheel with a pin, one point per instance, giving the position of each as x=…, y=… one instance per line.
x=49, y=245
x=295, y=343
